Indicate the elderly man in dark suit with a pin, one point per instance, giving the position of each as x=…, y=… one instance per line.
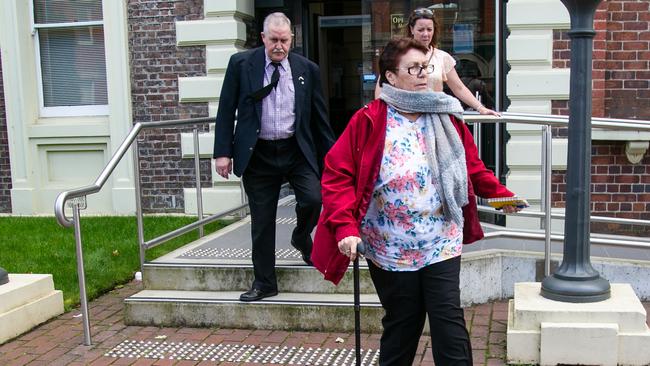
x=282, y=132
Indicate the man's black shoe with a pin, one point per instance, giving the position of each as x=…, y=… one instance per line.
x=306, y=254
x=255, y=294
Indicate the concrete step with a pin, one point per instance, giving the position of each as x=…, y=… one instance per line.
x=26, y=301
x=286, y=311
x=297, y=278
x=23, y=289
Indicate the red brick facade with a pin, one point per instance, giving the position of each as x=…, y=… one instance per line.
x=621, y=89
x=618, y=188
x=156, y=65
x=5, y=167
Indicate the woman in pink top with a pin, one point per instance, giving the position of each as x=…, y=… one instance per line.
x=424, y=28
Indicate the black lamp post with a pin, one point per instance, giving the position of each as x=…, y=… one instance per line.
x=4, y=276
x=576, y=280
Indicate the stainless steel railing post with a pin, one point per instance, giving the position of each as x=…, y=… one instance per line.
x=497, y=150
x=197, y=171
x=477, y=138
x=547, y=172
x=76, y=207
x=244, y=199
x=138, y=203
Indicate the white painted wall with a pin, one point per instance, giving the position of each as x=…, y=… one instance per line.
x=531, y=85
x=49, y=155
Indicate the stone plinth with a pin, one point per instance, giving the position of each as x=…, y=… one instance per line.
x=549, y=332
x=27, y=300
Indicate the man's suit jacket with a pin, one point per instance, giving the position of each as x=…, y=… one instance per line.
x=244, y=75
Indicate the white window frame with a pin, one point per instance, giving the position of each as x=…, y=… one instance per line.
x=66, y=111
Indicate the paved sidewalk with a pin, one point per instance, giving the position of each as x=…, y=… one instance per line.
x=59, y=341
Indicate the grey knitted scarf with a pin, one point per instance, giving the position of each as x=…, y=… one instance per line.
x=445, y=151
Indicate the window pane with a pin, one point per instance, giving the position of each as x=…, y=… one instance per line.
x=66, y=11
x=73, y=66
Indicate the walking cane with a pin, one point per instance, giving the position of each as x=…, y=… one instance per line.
x=361, y=249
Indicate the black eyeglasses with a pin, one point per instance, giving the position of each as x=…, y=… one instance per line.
x=417, y=69
x=420, y=12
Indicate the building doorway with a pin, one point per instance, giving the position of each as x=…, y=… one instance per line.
x=346, y=37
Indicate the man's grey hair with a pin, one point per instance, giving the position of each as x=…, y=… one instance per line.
x=276, y=19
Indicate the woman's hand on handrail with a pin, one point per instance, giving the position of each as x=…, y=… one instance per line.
x=487, y=111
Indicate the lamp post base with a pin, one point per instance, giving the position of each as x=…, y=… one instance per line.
x=576, y=290
x=4, y=276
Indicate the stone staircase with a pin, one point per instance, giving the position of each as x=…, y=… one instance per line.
x=207, y=295
x=199, y=286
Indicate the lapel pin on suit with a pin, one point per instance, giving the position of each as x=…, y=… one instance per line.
x=302, y=80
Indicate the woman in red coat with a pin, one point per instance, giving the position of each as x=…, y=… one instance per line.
x=402, y=178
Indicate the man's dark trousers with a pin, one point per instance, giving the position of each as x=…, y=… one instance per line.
x=272, y=162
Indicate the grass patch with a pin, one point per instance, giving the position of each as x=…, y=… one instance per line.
x=110, y=249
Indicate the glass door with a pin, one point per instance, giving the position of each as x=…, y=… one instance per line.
x=467, y=28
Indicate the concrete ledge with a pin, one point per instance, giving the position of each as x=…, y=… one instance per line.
x=634, y=348
x=548, y=332
x=214, y=31
x=217, y=57
x=579, y=343
x=206, y=145
x=199, y=88
x=297, y=279
x=283, y=312
x=33, y=301
x=243, y=8
x=521, y=266
x=23, y=289
x=520, y=342
x=622, y=308
x=215, y=199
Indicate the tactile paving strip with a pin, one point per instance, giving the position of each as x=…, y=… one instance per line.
x=236, y=253
x=286, y=220
x=282, y=355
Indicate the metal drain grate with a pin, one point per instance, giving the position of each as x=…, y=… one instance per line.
x=241, y=353
x=236, y=253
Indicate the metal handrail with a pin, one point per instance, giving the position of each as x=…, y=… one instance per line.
x=561, y=216
x=191, y=226
x=557, y=121
x=548, y=121
x=77, y=196
x=594, y=239
x=63, y=197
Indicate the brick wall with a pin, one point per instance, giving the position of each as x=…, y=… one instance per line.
x=5, y=168
x=621, y=89
x=621, y=58
x=618, y=188
x=156, y=65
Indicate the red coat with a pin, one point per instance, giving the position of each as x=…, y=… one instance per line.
x=350, y=172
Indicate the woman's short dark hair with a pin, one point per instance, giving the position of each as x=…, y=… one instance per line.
x=423, y=13
x=392, y=54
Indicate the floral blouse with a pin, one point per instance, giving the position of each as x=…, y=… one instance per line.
x=404, y=227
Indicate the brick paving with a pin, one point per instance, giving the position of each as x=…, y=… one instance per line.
x=59, y=341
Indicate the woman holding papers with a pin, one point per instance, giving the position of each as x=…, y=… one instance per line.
x=402, y=177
